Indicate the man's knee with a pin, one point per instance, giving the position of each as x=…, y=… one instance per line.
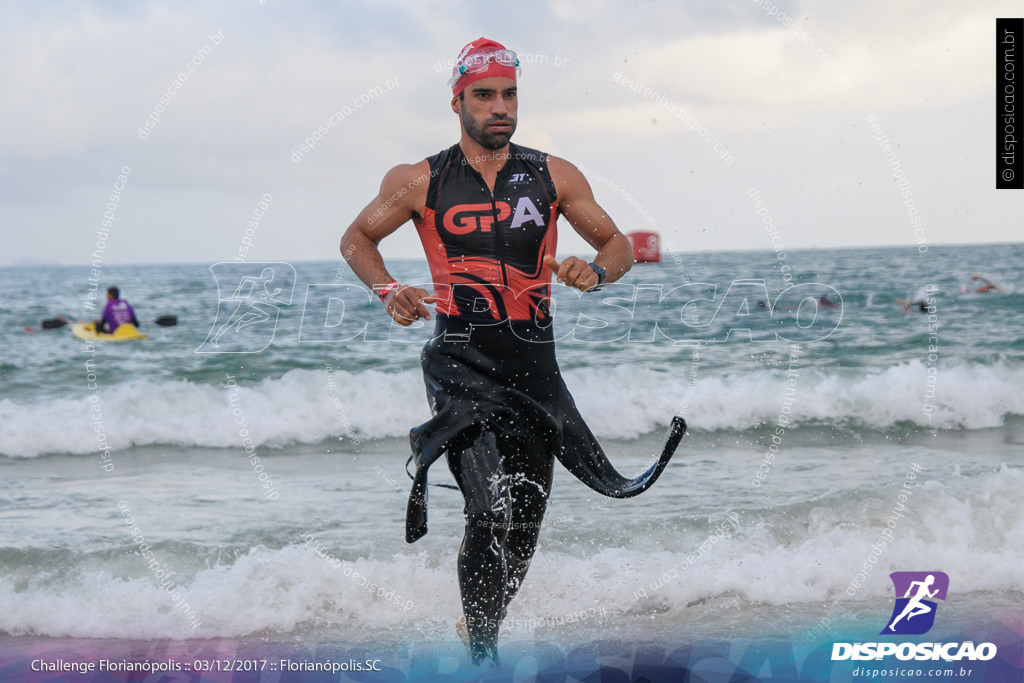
x=492, y=523
x=522, y=538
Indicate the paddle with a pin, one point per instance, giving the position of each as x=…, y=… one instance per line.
x=50, y=324
x=60, y=321
x=54, y=323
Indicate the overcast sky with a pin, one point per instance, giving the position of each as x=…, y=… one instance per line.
x=80, y=78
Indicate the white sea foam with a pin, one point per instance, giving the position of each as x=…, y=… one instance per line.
x=802, y=556
x=303, y=407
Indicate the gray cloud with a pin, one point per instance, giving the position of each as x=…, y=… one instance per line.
x=81, y=78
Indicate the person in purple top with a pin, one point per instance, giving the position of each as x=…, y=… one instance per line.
x=116, y=313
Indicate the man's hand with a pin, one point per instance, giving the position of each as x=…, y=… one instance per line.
x=408, y=304
x=574, y=272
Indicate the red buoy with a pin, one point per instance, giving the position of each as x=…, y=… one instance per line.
x=646, y=246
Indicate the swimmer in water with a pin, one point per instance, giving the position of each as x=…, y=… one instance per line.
x=989, y=286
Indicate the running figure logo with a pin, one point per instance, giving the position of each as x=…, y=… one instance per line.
x=247, y=319
x=914, y=613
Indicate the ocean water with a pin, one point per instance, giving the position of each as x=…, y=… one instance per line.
x=815, y=432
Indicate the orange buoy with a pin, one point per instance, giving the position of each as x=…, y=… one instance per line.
x=646, y=246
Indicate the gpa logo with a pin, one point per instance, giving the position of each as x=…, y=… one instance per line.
x=463, y=219
x=247, y=317
x=916, y=595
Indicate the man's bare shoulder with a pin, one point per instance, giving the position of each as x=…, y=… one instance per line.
x=404, y=189
x=408, y=175
x=565, y=175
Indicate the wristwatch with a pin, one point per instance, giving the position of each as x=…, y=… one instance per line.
x=600, y=275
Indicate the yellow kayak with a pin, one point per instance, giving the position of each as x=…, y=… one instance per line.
x=124, y=332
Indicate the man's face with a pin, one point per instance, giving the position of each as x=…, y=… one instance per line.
x=488, y=111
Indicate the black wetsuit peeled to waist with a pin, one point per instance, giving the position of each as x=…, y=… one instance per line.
x=503, y=391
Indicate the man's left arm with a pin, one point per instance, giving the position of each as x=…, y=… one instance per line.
x=576, y=202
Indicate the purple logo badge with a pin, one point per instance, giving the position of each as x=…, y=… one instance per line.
x=916, y=593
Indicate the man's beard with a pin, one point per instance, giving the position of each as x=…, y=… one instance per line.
x=487, y=138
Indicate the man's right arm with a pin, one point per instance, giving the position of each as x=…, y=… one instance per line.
x=403, y=193
x=101, y=323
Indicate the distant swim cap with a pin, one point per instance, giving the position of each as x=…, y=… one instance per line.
x=481, y=59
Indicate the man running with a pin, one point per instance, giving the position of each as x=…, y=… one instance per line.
x=915, y=606
x=485, y=211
